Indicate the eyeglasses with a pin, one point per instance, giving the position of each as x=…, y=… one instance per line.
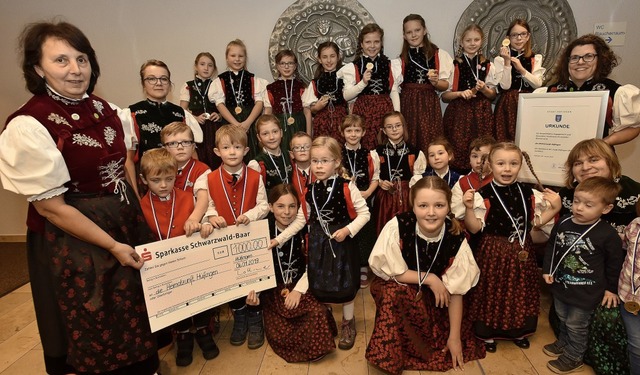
x=393, y=127
x=301, y=148
x=179, y=144
x=519, y=35
x=286, y=63
x=322, y=161
x=154, y=80
x=588, y=57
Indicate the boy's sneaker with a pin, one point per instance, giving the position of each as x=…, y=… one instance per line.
x=184, y=353
x=553, y=350
x=564, y=365
x=204, y=337
x=256, y=330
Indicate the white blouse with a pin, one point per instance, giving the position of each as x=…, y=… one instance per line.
x=386, y=260
x=534, y=78
x=352, y=88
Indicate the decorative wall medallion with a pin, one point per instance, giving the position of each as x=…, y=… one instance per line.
x=307, y=23
x=552, y=24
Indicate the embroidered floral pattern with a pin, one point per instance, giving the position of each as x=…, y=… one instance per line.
x=109, y=135
x=141, y=112
x=98, y=106
x=178, y=114
x=58, y=119
x=59, y=98
x=151, y=127
x=85, y=140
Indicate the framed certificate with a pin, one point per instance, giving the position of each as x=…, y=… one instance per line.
x=550, y=124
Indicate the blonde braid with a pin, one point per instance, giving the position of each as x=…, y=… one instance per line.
x=527, y=159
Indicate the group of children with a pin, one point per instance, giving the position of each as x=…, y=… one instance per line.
x=324, y=159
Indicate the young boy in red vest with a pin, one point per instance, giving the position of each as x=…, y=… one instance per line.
x=237, y=196
x=170, y=213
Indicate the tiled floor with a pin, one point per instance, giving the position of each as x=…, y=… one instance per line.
x=21, y=353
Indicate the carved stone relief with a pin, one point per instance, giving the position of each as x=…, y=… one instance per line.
x=552, y=24
x=307, y=23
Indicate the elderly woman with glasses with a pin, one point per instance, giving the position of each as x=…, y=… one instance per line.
x=155, y=112
x=585, y=66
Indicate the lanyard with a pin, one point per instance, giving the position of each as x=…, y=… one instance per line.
x=244, y=190
x=354, y=171
x=392, y=176
x=236, y=95
x=521, y=238
x=477, y=73
x=155, y=218
x=285, y=179
x=323, y=223
x=362, y=66
x=553, y=270
x=422, y=278
x=634, y=288
x=418, y=64
x=287, y=106
x=289, y=278
x=186, y=181
x=203, y=93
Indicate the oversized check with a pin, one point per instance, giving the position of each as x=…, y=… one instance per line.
x=183, y=276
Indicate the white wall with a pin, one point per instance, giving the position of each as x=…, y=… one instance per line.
x=125, y=33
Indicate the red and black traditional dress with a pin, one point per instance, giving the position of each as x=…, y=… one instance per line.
x=274, y=169
x=334, y=267
x=419, y=100
x=285, y=100
x=239, y=92
x=195, y=92
x=410, y=333
x=465, y=120
x=363, y=166
x=472, y=180
x=56, y=146
x=398, y=163
x=374, y=100
x=305, y=332
x=512, y=84
x=506, y=302
x=326, y=122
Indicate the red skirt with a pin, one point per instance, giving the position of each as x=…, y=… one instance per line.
x=372, y=108
x=301, y=334
x=410, y=335
x=506, y=302
x=421, y=108
x=327, y=123
x=506, y=115
x=464, y=121
x=387, y=205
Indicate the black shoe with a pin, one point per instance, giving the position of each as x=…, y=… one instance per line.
x=207, y=345
x=491, y=347
x=216, y=320
x=239, y=332
x=522, y=343
x=256, y=330
x=184, y=353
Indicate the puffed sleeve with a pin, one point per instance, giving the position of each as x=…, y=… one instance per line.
x=30, y=162
x=185, y=95
x=386, y=257
x=626, y=108
x=463, y=274
x=479, y=209
x=351, y=89
x=457, y=205
x=216, y=93
x=361, y=208
x=376, y=165
x=396, y=73
x=420, y=165
x=492, y=79
x=446, y=65
x=202, y=182
x=414, y=179
x=502, y=73
x=130, y=139
x=534, y=78
x=541, y=90
x=194, y=125
x=309, y=96
x=260, y=90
